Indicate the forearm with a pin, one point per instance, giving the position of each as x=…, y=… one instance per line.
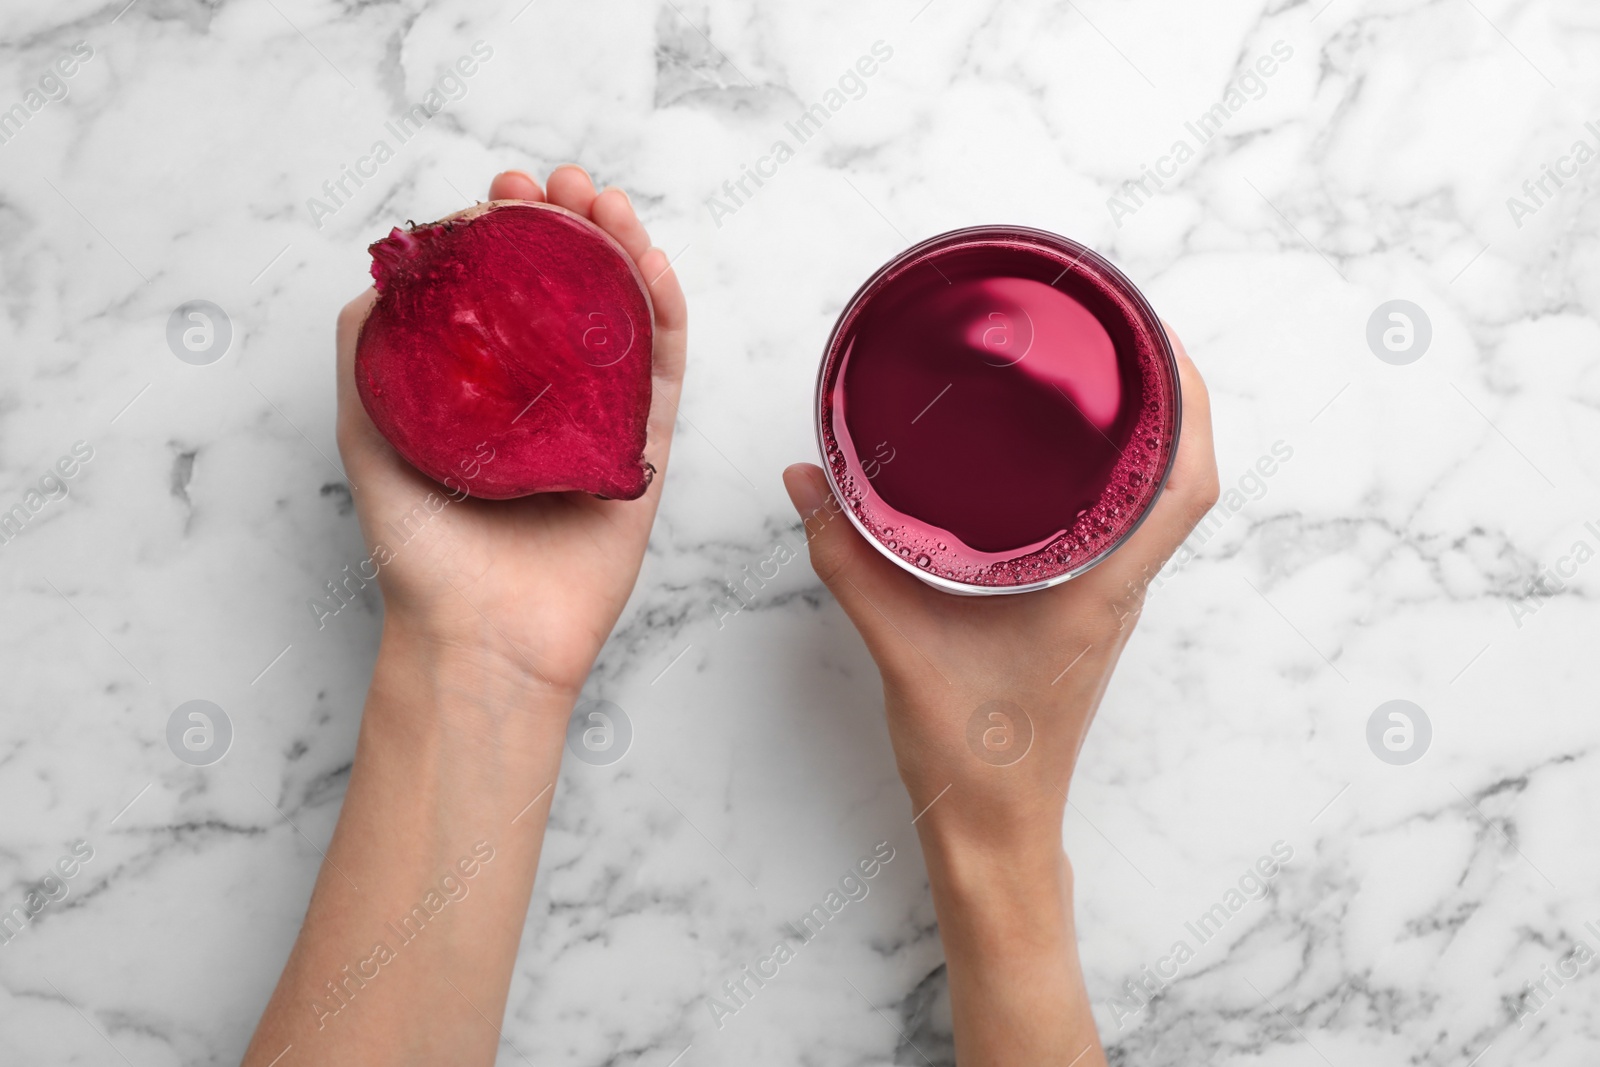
x=1005, y=916
x=412, y=931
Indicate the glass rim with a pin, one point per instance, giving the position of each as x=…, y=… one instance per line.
x=1080, y=253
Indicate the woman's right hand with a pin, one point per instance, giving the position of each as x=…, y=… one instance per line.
x=1050, y=653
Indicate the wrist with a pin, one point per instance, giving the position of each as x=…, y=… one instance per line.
x=463, y=685
x=1015, y=898
x=986, y=774
x=976, y=865
x=1006, y=922
x=996, y=815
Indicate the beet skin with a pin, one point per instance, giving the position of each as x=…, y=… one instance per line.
x=514, y=330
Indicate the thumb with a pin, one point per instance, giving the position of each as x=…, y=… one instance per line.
x=852, y=570
x=828, y=534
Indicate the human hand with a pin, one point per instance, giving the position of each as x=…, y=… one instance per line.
x=528, y=587
x=1050, y=653
x=991, y=829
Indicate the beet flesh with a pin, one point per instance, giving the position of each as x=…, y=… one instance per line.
x=508, y=353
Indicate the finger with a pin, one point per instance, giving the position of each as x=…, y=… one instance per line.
x=351, y=316
x=515, y=185
x=670, y=352
x=570, y=187
x=672, y=312
x=370, y=461
x=866, y=585
x=1194, y=470
x=1191, y=487
x=613, y=212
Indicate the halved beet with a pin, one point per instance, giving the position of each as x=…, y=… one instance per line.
x=514, y=330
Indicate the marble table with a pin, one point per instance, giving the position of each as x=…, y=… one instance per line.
x=1276, y=177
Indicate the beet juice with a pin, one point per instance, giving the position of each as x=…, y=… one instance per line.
x=998, y=408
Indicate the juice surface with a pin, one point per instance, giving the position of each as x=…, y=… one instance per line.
x=998, y=410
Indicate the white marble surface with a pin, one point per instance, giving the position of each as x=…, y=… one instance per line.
x=1391, y=557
